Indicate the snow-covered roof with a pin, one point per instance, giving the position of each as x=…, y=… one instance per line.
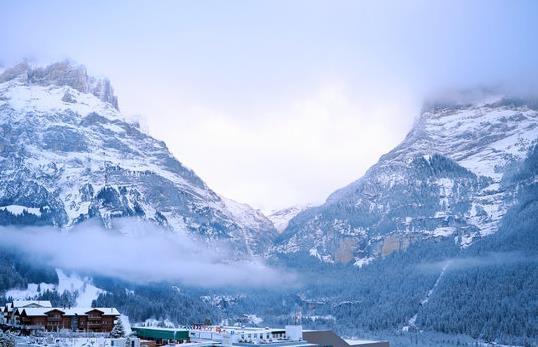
x=31, y=303
x=34, y=311
x=359, y=342
x=80, y=311
x=107, y=311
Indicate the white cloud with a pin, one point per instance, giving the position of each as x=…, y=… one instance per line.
x=293, y=152
x=141, y=252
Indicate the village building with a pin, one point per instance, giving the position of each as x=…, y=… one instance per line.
x=201, y=335
x=9, y=310
x=41, y=315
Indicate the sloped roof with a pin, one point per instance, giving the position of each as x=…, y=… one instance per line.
x=29, y=303
x=34, y=311
x=80, y=311
x=107, y=311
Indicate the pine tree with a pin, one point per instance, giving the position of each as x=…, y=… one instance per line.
x=118, y=330
x=6, y=340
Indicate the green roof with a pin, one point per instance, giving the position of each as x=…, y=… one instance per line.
x=161, y=333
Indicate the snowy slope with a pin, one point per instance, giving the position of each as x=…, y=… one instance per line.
x=444, y=180
x=68, y=154
x=281, y=218
x=84, y=289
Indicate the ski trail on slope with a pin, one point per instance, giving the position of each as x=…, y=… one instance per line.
x=83, y=287
x=412, y=320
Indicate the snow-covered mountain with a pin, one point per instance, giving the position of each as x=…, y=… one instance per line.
x=444, y=180
x=68, y=154
x=282, y=217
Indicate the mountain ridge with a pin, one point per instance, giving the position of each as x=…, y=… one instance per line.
x=449, y=169
x=64, y=73
x=69, y=152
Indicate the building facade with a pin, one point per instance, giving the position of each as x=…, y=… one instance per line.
x=9, y=311
x=43, y=316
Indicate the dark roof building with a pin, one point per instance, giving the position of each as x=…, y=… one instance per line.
x=329, y=338
x=41, y=315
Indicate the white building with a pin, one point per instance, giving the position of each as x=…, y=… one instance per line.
x=245, y=336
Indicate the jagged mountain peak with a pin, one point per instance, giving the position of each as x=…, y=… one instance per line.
x=63, y=73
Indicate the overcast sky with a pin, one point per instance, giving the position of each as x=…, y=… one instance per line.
x=276, y=103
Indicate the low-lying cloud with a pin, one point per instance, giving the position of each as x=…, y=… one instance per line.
x=141, y=252
x=487, y=259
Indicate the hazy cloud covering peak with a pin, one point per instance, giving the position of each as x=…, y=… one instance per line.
x=276, y=103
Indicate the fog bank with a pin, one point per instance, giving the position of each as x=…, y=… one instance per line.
x=140, y=252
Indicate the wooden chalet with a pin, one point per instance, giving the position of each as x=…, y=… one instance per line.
x=94, y=319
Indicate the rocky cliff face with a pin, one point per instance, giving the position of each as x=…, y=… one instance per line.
x=63, y=74
x=67, y=155
x=445, y=180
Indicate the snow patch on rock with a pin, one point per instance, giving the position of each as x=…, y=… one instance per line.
x=282, y=217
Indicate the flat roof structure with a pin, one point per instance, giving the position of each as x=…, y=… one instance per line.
x=156, y=333
x=366, y=343
x=329, y=338
x=237, y=336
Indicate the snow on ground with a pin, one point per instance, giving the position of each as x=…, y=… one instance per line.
x=446, y=185
x=31, y=291
x=360, y=262
x=34, y=98
x=254, y=319
x=18, y=210
x=314, y=253
x=412, y=321
x=281, y=218
x=243, y=213
x=87, y=292
x=466, y=240
x=444, y=231
x=430, y=292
